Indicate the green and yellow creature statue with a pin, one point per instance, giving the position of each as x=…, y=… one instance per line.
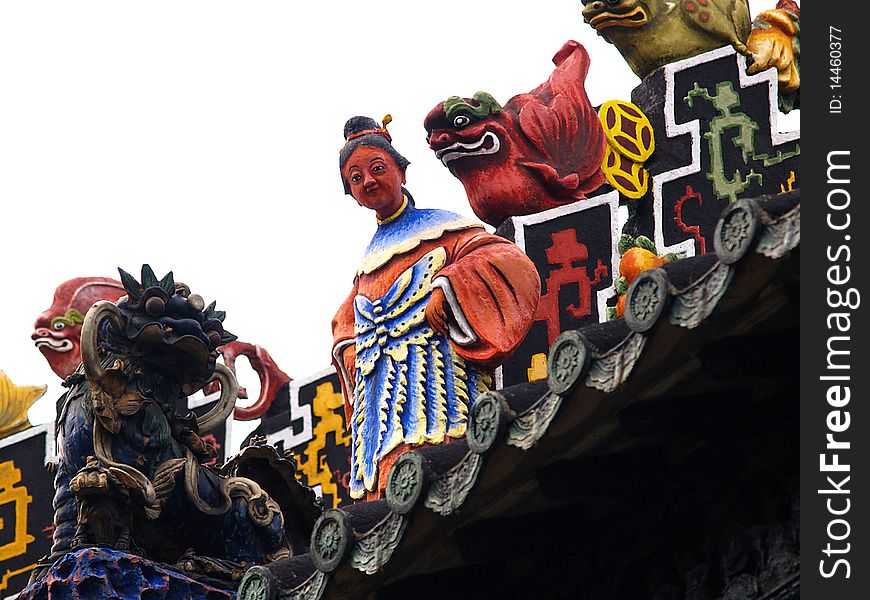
x=652, y=33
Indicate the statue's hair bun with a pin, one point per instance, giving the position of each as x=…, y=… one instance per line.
x=358, y=124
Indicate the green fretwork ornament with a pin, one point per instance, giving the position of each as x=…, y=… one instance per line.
x=726, y=100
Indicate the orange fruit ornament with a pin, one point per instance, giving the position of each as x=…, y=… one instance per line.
x=637, y=260
x=620, y=306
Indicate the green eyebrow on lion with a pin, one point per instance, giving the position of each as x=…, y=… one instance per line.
x=71, y=317
x=454, y=105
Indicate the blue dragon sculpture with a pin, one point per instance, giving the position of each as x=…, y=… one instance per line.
x=131, y=473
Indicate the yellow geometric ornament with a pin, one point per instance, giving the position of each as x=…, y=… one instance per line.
x=630, y=142
x=11, y=493
x=538, y=369
x=789, y=183
x=316, y=470
x=630, y=178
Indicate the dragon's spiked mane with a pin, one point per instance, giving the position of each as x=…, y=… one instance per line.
x=164, y=324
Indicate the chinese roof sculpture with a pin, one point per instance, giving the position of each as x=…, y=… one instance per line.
x=436, y=304
x=643, y=425
x=58, y=329
x=130, y=473
x=625, y=414
x=650, y=35
x=57, y=334
x=542, y=149
x=598, y=400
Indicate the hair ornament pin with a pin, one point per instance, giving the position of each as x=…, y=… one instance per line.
x=382, y=130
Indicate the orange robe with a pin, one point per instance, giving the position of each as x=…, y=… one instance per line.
x=492, y=290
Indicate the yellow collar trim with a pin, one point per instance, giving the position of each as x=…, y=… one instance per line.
x=397, y=213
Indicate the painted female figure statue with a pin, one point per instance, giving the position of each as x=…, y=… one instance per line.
x=437, y=303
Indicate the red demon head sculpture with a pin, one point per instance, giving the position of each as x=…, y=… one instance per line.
x=58, y=330
x=540, y=150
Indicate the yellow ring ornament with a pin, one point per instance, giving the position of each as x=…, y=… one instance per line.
x=630, y=142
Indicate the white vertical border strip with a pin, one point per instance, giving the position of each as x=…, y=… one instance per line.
x=672, y=129
x=228, y=438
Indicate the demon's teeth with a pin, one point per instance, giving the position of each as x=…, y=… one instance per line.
x=56, y=345
x=478, y=148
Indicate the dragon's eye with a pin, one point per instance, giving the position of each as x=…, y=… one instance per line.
x=461, y=121
x=58, y=325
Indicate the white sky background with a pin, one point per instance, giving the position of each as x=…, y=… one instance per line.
x=203, y=138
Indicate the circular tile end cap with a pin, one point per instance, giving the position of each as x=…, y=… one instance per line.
x=487, y=421
x=646, y=300
x=736, y=231
x=330, y=540
x=405, y=483
x=566, y=362
x=257, y=584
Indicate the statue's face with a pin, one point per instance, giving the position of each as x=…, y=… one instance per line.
x=375, y=180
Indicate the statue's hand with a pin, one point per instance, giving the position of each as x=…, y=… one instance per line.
x=437, y=311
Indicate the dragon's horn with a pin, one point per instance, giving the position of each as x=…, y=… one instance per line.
x=104, y=309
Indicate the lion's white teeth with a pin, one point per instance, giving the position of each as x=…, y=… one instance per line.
x=478, y=148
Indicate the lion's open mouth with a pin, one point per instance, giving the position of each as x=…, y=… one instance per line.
x=633, y=18
x=56, y=345
x=487, y=144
